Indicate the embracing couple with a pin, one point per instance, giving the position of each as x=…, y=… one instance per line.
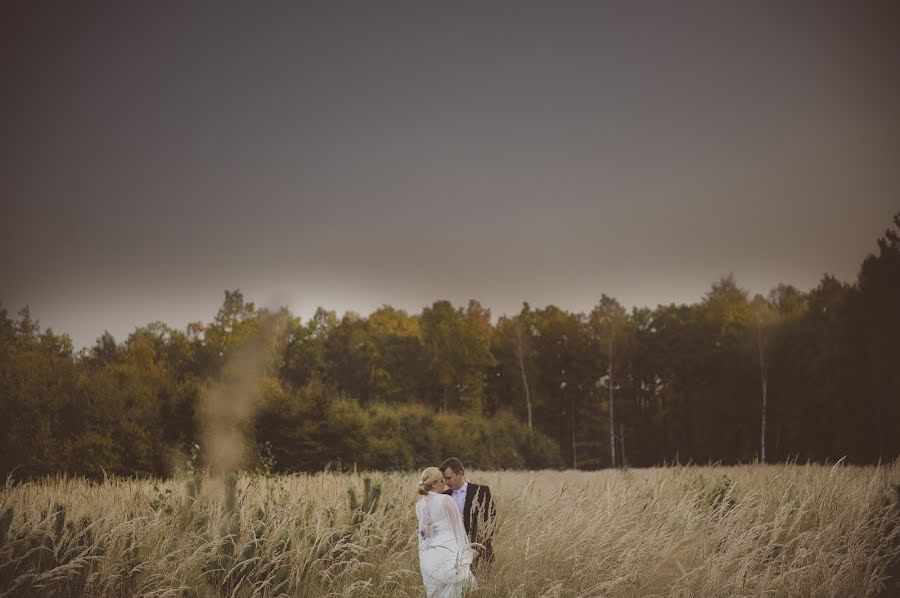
x=456, y=523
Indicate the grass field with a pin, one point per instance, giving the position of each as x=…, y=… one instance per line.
x=782, y=530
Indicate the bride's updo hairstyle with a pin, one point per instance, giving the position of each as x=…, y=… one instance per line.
x=430, y=475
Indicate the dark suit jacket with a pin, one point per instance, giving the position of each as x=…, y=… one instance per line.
x=479, y=516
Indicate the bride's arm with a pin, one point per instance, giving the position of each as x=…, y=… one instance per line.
x=424, y=532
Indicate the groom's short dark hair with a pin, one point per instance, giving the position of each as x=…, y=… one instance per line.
x=454, y=464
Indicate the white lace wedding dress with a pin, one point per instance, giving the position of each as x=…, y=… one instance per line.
x=444, y=552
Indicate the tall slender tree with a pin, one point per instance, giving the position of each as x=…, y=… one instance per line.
x=608, y=320
x=763, y=319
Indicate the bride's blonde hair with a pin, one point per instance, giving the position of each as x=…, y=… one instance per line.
x=430, y=475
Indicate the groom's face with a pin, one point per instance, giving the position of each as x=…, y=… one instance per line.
x=454, y=480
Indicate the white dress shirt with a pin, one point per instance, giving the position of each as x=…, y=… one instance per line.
x=459, y=496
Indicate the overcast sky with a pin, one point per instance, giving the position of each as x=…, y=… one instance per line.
x=351, y=155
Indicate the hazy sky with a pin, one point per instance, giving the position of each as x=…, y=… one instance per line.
x=351, y=155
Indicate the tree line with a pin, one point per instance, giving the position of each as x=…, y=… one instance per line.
x=808, y=375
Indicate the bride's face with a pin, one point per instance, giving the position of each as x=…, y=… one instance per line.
x=439, y=486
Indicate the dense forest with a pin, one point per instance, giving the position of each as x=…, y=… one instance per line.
x=807, y=375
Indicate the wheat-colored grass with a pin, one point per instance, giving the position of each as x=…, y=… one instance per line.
x=783, y=530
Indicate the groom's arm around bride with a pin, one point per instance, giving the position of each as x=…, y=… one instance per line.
x=477, y=507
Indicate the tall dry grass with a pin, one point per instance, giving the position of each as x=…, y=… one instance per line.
x=786, y=530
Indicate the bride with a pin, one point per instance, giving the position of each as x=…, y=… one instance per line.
x=444, y=552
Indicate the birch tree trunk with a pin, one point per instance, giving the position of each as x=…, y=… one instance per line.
x=519, y=354
x=764, y=382
x=574, y=448
x=612, y=404
x=571, y=409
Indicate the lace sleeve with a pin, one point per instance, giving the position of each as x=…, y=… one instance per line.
x=456, y=522
x=422, y=515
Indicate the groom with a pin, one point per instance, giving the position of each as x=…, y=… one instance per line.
x=477, y=508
